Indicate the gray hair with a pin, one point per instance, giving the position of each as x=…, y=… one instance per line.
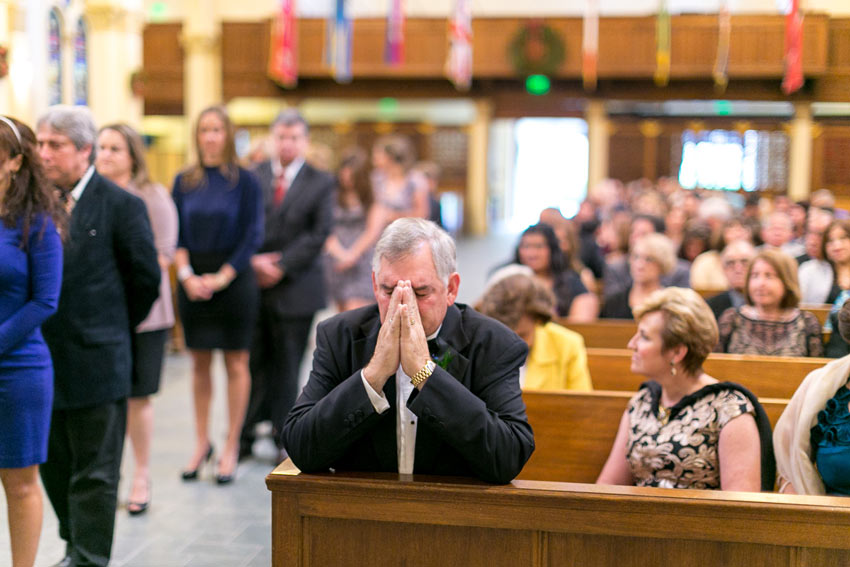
x=404, y=235
x=290, y=117
x=75, y=122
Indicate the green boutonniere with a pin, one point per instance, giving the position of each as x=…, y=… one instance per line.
x=444, y=360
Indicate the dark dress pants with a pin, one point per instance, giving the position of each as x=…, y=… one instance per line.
x=81, y=477
x=276, y=354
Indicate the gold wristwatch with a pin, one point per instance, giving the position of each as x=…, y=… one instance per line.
x=423, y=374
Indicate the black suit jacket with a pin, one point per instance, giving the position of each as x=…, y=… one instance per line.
x=472, y=418
x=720, y=303
x=110, y=279
x=298, y=230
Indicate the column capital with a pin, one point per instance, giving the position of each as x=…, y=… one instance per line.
x=105, y=16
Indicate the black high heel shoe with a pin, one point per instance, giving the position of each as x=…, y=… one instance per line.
x=138, y=508
x=226, y=478
x=192, y=474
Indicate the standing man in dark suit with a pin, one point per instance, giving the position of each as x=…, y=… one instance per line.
x=110, y=280
x=298, y=211
x=380, y=398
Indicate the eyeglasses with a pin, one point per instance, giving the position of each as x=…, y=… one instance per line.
x=729, y=262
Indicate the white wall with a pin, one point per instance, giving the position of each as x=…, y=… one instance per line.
x=252, y=10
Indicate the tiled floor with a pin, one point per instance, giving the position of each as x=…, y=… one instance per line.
x=200, y=523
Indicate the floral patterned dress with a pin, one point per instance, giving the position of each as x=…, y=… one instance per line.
x=679, y=449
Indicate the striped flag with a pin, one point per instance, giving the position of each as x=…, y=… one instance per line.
x=338, y=34
x=459, y=62
x=793, y=79
x=590, y=44
x=662, y=45
x=394, y=48
x=283, y=54
x=724, y=36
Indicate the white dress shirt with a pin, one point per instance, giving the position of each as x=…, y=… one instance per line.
x=289, y=172
x=406, y=420
x=78, y=189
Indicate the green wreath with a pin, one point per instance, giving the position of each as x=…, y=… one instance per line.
x=536, y=49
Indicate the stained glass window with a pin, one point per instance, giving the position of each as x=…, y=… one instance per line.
x=81, y=65
x=54, y=58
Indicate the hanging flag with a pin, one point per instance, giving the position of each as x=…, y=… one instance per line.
x=394, y=47
x=662, y=45
x=793, y=79
x=724, y=36
x=283, y=56
x=590, y=44
x=459, y=61
x=338, y=43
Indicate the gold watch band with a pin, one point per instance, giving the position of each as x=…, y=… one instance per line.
x=423, y=374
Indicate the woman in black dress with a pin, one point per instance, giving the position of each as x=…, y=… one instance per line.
x=219, y=205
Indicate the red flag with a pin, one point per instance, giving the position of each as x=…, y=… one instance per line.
x=283, y=57
x=793, y=79
x=394, y=51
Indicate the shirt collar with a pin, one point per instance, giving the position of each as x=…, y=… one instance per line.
x=81, y=185
x=290, y=171
x=434, y=334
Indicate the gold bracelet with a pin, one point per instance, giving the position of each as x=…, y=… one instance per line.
x=423, y=374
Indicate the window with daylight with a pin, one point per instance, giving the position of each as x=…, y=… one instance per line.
x=754, y=160
x=81, y=65
x=54, y=58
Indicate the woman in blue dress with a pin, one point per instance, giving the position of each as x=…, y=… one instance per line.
x=220, y=211
x=30, y=280
x=812, y=436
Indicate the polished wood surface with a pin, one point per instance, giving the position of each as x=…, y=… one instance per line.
x=765, y=376
x=574, y=431
x=389, y=519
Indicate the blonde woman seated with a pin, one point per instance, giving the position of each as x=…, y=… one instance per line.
x=684, y=429
x=812, y=437
x=557, y=359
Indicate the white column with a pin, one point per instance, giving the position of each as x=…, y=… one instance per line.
x=800, y=152
x=202, y=55
x=114, y=34
x=597, y=141
x=476, y=175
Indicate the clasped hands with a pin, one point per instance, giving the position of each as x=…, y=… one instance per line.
x=267, y=269
x=400, y=340
x=202, y=287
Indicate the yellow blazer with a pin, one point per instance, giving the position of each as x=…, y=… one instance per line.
x=557, y=361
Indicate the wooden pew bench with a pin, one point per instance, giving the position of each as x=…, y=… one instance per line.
x=381, y=519
x=616, y=333
x=765, y=376
x=574, y=431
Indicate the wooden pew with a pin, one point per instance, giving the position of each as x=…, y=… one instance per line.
x=382, y=519
x=604, y=333
x=819, y=310
x=765, y=376
x=574, y=431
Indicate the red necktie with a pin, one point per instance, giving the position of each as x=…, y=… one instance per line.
x=279, y=190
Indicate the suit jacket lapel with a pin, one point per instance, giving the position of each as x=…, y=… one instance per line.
x=451, y=340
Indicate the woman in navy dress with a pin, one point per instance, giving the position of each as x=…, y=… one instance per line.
x=30, y=279
x=220, y=211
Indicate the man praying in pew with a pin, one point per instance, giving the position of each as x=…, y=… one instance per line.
x=417, y=383
x=684, y=429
